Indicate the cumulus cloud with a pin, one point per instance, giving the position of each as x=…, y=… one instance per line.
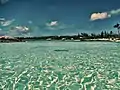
x=96, y=16
x=22, y=29
x=52, y=23
x=6, y=22
x=57, y=25
x=115, y=12
x=104, y=15
x=18, y=31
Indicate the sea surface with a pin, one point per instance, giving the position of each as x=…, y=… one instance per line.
x=55, y=65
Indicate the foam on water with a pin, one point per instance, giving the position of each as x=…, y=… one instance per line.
x=37, y=66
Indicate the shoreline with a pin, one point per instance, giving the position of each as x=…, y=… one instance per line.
x=77, y=40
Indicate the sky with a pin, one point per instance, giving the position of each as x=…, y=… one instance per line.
x=57, y=17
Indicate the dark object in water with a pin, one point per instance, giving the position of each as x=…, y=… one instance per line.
x=116, y=26
x=61, y=50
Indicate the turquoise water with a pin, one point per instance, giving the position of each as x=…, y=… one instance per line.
x=50, y=65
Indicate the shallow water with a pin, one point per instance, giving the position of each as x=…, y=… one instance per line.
x=53, y=65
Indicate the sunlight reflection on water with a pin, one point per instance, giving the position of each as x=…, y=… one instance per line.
x=37, y=66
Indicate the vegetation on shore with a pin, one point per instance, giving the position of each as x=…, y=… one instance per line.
x=80, y=37
x=103, y=36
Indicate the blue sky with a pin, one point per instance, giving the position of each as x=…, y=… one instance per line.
x=60, y=17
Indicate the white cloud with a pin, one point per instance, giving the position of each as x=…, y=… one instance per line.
x=104, y=15
x=96, y=16
x=52, y=23
x=19, y=30
x=115, y=12
x=56, y=25
x=6, y=22
x=22, y=28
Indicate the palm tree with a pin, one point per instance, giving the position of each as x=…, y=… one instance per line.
x=118, y=27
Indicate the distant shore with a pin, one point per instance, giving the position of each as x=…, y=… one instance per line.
x=63, y=38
